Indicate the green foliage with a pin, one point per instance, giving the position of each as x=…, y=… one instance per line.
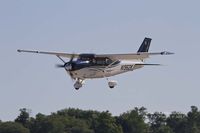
x=44, y=124
x=79, y=121
x=105, y=123
x=157, y=122
x=12, y=127
x=23, y=118
x=133, y=121
x=61, y=122
x=193, y=120
x=178, y=122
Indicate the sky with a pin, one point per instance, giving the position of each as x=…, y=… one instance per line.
x=105, y=26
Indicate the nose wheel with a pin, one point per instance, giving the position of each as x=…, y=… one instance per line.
x=78, y=84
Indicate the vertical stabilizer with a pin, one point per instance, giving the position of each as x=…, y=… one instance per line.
x=145, y=45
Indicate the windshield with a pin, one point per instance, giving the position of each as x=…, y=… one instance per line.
x=83, y=61
x=99, y=61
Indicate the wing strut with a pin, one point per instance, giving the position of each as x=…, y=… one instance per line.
x=60, y=58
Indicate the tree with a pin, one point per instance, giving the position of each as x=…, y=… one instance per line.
x=56, y=123
x=46, y=124
x=12, y=127
x=80, y=121
x=105, y=123
x=23, y=118
x=78, y=126
x=178, y=122
x=193, y=120
x=157, y=123
x=133, y=121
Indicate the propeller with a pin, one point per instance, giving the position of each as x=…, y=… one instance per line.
x=67, y=65
x=60, y=65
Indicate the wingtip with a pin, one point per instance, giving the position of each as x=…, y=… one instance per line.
x=19, y=50
x=166, y=53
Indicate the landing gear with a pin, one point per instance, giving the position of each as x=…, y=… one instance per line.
x=112, y=84
x=76, y=88
x=111, y=87
x=78, y=84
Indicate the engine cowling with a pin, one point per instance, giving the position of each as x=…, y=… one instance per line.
x=112, y=84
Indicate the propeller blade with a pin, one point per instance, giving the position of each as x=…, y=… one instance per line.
x=148, y=64
x=60, y=65
x=70, y=61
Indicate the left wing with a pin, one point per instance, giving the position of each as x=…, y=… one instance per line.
x=51, y=53
x=131, y=56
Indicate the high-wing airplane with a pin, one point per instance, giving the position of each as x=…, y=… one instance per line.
x=89, y=66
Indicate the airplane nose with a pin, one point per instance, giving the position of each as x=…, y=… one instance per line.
x=68, y=66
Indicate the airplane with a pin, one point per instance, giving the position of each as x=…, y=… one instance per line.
x=90, y=66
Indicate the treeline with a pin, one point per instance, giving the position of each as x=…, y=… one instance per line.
x=73, y=120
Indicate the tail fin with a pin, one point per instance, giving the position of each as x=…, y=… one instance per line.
x=145, y=45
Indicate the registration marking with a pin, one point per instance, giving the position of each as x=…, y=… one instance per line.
x=127, y=67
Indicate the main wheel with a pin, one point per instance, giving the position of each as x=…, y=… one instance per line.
x=111, y=87
x=112, y=84
x=76, y=88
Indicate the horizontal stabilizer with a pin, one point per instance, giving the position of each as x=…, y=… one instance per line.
x=148, y=64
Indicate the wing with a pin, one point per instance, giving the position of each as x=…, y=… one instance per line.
x=132, y=56
x=67, y=55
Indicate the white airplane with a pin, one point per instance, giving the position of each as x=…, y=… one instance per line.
x=89, y=66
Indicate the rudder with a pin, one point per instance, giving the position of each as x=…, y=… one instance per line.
x=145, y=45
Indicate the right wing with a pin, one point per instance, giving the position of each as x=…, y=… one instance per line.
x=132, y=56
x=67, y=55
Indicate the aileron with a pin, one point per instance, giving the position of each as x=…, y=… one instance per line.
x=50, y=53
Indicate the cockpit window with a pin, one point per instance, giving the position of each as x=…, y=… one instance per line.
x=92, y=60
x=102, y=61
x=83, y=61
x=87, y=58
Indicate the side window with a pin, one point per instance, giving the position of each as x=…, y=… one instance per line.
x=108, y=61
x=102, y=61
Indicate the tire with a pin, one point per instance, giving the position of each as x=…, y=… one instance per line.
x=76, y=88
x=111, y=87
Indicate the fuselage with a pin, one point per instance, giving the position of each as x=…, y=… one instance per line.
x=89, y=71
